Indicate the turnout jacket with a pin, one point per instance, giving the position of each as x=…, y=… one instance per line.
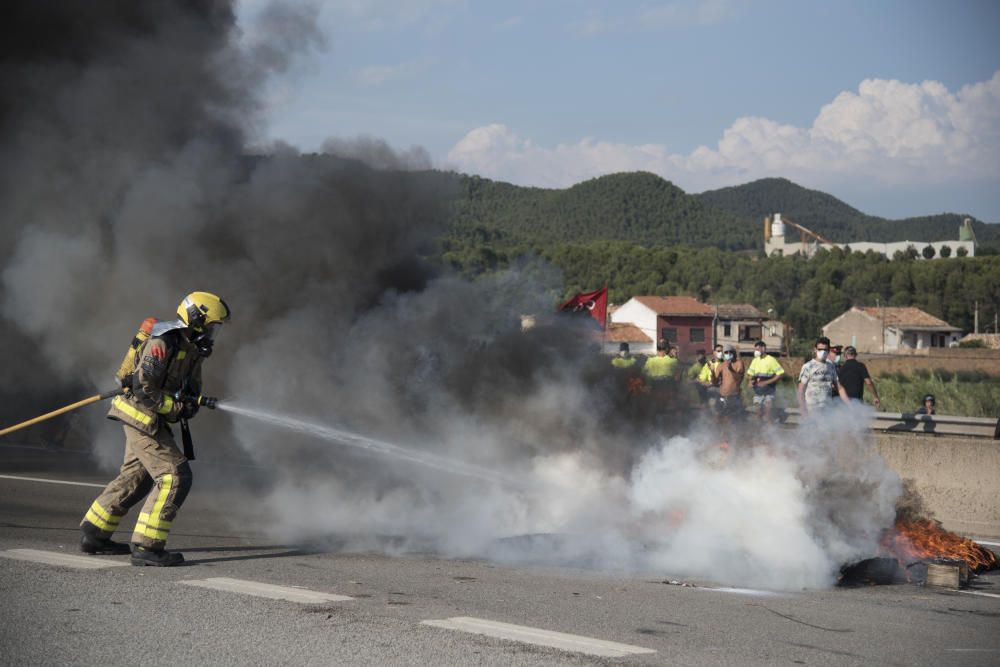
x=167, y=363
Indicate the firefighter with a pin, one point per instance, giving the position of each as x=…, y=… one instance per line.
x=163, y=389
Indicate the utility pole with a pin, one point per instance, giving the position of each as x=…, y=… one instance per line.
x=975, y=319
x=881, y=317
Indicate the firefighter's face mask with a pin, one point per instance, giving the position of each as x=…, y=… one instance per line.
x=205, y=339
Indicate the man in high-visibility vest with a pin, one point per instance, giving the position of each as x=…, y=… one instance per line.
x=662, y=367
x=661, y=373
x=763, y=374
x=694, y=370
x=710, y=379
x=624, y=359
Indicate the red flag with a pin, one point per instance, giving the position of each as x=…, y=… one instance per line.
x=596, y=303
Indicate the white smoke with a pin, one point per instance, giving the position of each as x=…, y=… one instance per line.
x=772, y=508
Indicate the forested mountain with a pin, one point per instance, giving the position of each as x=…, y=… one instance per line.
x=636, y=207
x=645, y=209
x=640, y=234
x=829, y=217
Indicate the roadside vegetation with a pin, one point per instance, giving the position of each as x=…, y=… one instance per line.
x=966, y=393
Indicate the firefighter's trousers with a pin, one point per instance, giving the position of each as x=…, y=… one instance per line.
x=152, y=463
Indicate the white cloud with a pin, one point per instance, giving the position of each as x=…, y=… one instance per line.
x=886, y=132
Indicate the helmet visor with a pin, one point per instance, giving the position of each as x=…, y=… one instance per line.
x=210, y=331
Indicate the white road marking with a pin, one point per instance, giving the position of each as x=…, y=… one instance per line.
x=537, y=636
x=52, y=481
x=989, y=544
x=988, y=595
x=266, y=590
x=65, y=560
x=745, y=591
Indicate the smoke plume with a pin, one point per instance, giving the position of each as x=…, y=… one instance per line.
x=125, y=183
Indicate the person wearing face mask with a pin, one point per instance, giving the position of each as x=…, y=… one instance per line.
x=854, y=377
x=763, y=374
x=730, y=373
x=818, y=381
x=708, y=378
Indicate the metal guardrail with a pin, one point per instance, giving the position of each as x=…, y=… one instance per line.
x=905, y=422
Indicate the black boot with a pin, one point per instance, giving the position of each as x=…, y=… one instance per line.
x=156, y=557
x=93, y=542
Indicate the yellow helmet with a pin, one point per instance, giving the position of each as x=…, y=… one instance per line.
x=202, y=309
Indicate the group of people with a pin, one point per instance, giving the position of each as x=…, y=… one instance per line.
x=721, y=379
x=717, y=381
x=823, y=378
x=833, y=373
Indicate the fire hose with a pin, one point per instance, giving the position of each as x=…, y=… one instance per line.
x=203, y=401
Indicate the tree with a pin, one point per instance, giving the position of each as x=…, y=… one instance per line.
x=945, y=251
x=928, y=252
x=961, y=252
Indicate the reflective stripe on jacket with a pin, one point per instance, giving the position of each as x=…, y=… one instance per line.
x=167, y=364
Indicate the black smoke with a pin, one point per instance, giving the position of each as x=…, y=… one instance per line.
x=126, y=182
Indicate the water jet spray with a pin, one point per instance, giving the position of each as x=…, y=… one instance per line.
x=350, y=439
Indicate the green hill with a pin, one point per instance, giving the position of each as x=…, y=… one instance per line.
x=642, y=208
x=637, y=207
x=828, y=216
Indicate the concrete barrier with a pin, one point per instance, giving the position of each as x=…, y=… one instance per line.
x=957, y=477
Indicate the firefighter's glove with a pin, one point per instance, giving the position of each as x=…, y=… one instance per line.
x=208, y=401
x=190, y=408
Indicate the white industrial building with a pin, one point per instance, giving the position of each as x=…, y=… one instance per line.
x=775, y=242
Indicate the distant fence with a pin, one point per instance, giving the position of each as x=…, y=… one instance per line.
x=902, y=422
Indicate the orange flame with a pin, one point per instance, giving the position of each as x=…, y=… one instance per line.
x=923, y=539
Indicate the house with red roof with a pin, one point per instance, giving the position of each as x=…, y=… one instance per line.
x=891, y=330
x=681, y=320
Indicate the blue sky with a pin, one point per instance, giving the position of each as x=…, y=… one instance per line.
x=893, y=106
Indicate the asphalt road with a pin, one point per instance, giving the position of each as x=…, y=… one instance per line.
x=60, y=615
